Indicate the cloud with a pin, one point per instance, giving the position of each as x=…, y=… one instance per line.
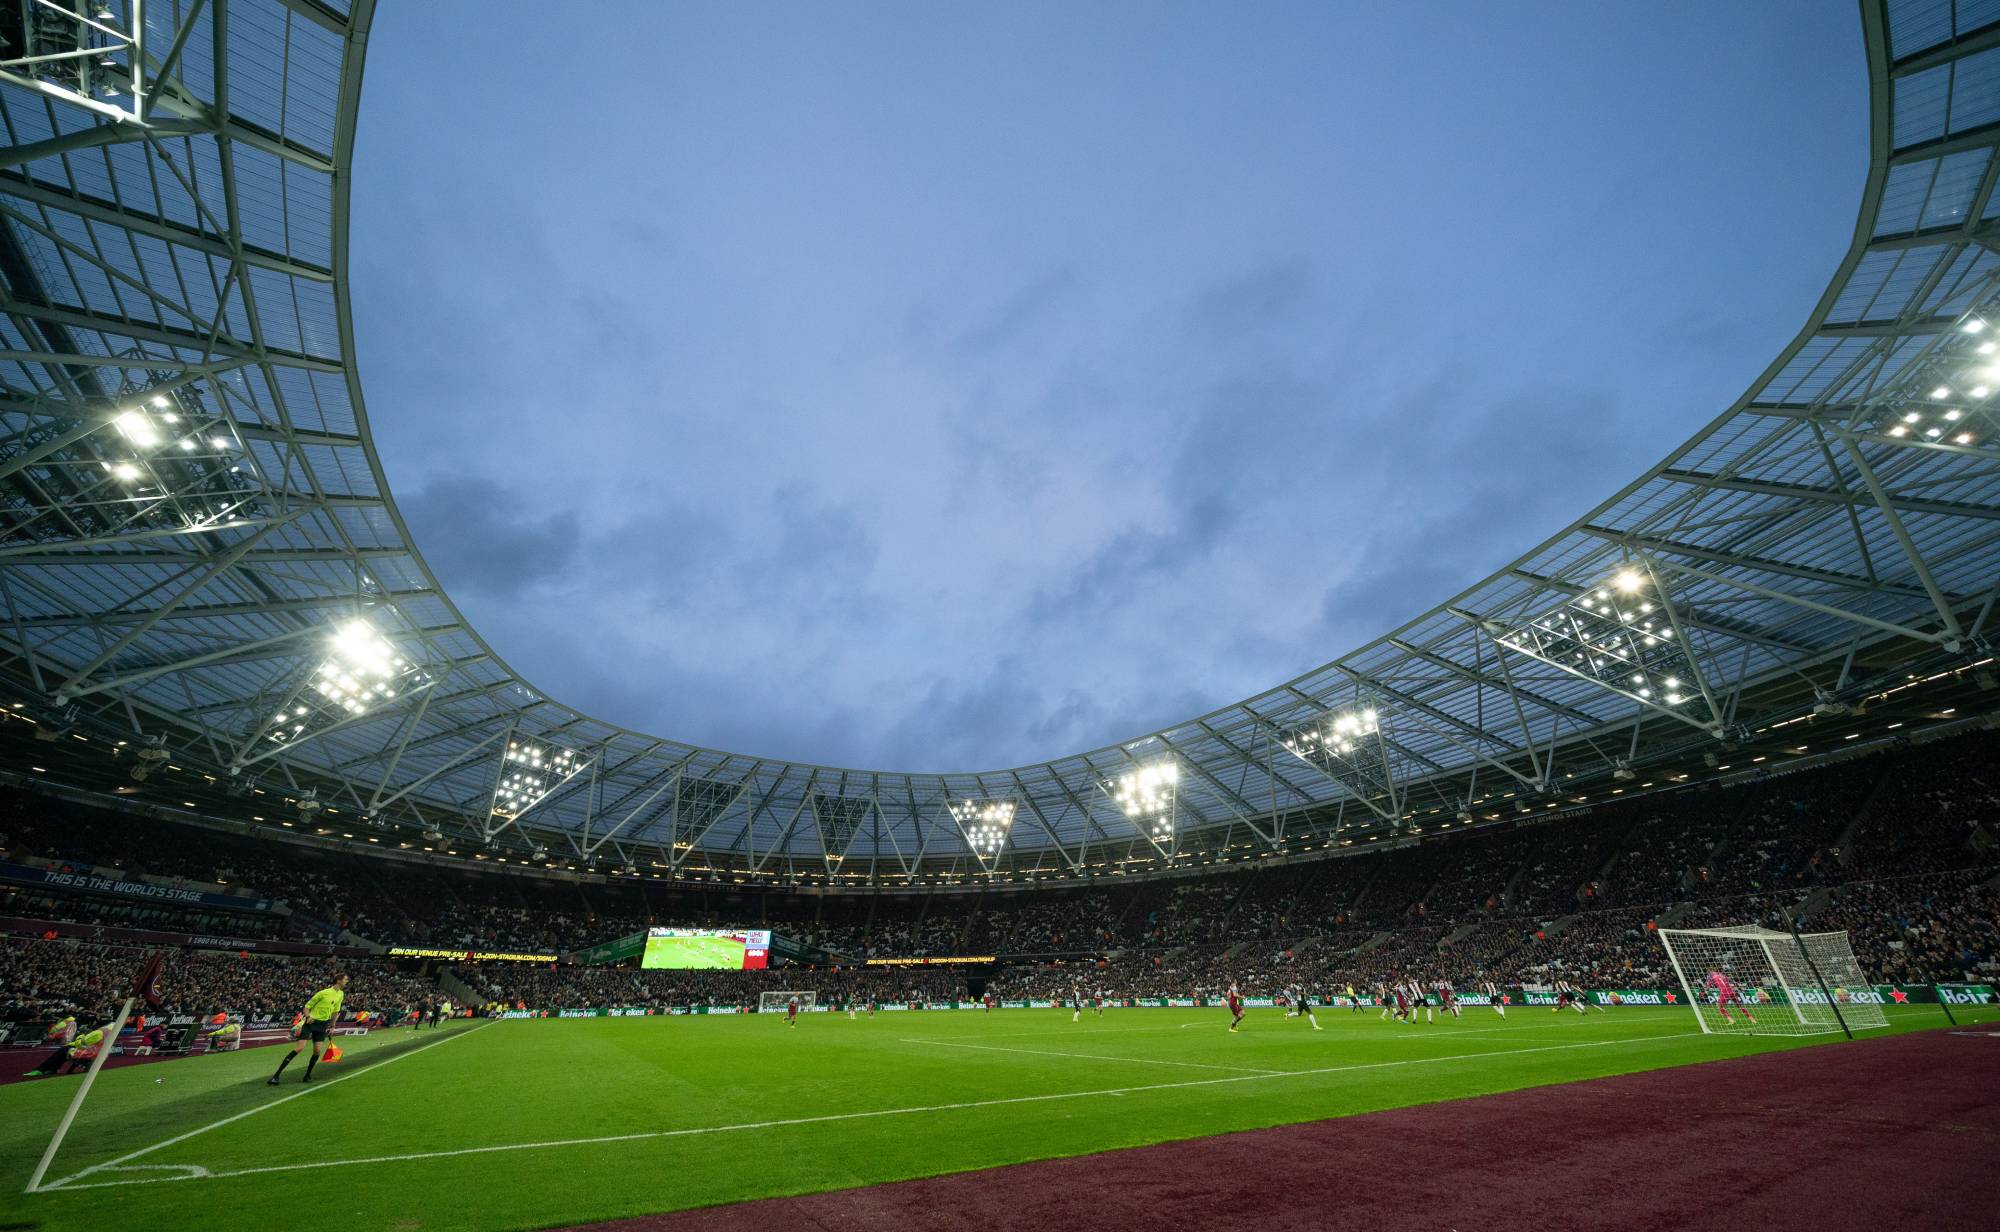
x=476, y=538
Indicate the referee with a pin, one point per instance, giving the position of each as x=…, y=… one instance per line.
x=314, y=1023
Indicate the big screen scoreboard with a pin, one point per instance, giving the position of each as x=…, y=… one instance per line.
x=714, y=949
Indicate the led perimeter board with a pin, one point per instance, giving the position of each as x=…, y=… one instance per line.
x=718, y=949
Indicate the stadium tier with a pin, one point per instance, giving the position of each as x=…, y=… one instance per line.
x=1898, y=849
x=1710, y=774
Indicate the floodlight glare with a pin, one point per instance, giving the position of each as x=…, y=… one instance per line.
x=136, y=427
x=1148, y=789
x=985, y=824
x=1627, y=580
x=126, y=471
x=529, y=772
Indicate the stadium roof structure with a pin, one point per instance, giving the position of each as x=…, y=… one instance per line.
x=201, y=563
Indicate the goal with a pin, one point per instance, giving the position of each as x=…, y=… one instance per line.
x=775, y=1002
x=1789, y=983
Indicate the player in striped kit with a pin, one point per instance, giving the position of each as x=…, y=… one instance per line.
x=1303, y=1006
x=1493, y=997
x=1568, y=995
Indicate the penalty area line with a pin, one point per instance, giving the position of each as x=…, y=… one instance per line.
x=699, y=1131
x=1091, y=1056
x=120, y=1162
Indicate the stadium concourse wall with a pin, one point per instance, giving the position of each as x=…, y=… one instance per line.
x=1878, y=994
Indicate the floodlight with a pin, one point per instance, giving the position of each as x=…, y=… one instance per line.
x=529, y=771
x=138, y=428
x=125, y=471
x=1622, y=641
x=362, y=671
x=985, y=825
x=1146, y=794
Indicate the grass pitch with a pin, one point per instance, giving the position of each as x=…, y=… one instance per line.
x=543, y=1123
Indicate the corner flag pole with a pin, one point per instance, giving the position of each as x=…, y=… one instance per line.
x=76, y=1101
x=145, y=987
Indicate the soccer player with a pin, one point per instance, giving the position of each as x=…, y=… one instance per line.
x=1493, y=998
x=1076, y=1000
x=315, y=1021
x=1097, y=1003
x=1302, y=1001
x=1351, y=998
x=792, y=1011
x=1383, y=999
x=1403, y=1014
x=1234, y=999
x=1449, y=996
x=1567, y=996
x=1725, y=993
x=990, y=999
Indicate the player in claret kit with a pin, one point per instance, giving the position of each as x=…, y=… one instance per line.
x=792, y=1011
x=1724, y=992
x=990, y=1000
x=1097, y=1002
x=1448, y=995
x=1234, y=1000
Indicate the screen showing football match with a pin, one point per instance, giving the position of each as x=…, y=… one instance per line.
x=720, y=949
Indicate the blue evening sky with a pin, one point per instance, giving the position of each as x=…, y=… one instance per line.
x=949, y=386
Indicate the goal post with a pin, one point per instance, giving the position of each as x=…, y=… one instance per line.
x=775, y=1002
x=1776, y=983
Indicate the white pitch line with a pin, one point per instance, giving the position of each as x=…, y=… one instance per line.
x=1090, y=1056
x=851, y=1116
x=194, y=1133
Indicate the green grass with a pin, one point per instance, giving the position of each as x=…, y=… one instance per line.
x=898, y=1096
x=718, y=953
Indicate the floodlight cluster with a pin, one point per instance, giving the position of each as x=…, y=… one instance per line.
x=1146, y=795
x=1618, y=633
x=361, y=672
x=985, y=824
x=1341, y=735
x=530, y=771
x=164, y=450
x=1951, y=402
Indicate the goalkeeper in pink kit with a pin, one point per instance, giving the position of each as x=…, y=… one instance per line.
x=1725, y=993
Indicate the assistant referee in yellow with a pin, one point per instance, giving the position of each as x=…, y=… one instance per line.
x=314, y=1023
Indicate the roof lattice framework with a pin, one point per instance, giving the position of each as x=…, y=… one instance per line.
x=194, y=510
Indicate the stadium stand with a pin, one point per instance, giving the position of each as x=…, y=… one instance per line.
x=1899, y=849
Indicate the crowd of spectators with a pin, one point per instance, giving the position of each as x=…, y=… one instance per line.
x=44, y=979
x=1900, y=850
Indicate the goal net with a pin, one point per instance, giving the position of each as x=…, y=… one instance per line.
x=775, y=1002
x=1758, y=981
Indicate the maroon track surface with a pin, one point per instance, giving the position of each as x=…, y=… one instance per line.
x=1839, y=1137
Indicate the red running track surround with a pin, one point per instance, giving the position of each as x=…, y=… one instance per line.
x=1838, y=1138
